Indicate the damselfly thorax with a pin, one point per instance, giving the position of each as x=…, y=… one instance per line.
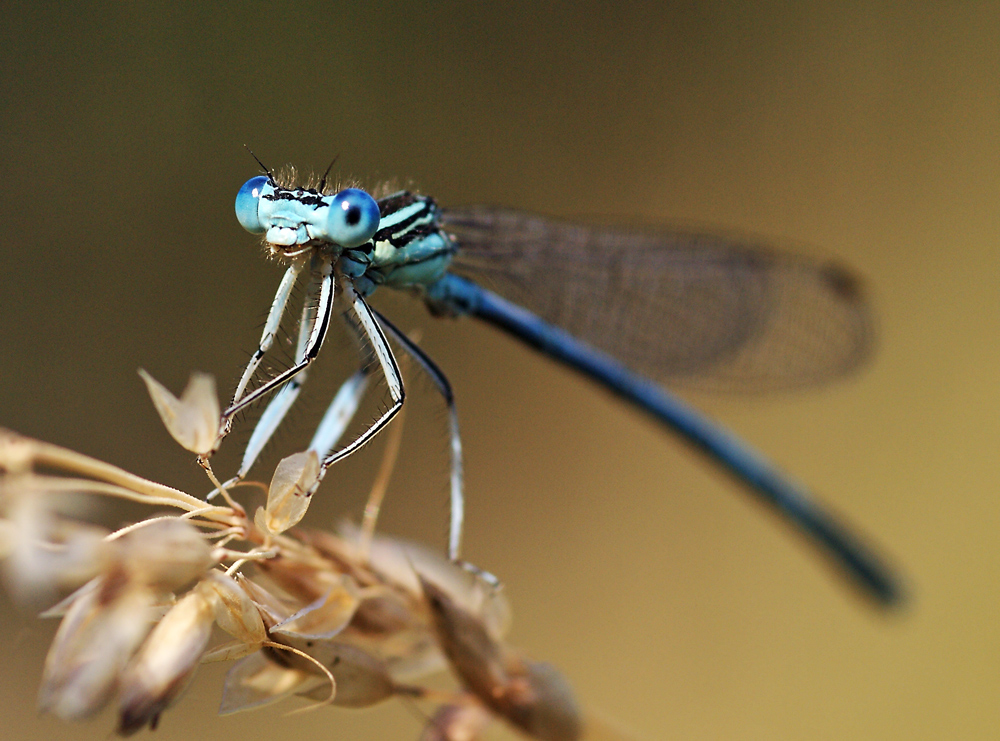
x=397, y=241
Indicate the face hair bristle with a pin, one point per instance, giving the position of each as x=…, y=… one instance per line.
x=384, y=188
x=288, y=177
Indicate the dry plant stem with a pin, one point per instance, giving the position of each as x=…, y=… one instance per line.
x=243, y=558
x=386, y=467
x=21, y=453
x=139, y=526
x=35, y=453
x=326, y=672
x=57, y=484
x=203, y=462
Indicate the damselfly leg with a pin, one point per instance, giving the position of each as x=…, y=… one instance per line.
x=368, y=326
x=444, y=388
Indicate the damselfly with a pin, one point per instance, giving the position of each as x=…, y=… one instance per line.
x=628, y=309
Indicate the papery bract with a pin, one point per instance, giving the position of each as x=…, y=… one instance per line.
x=166, y=554
x=235, y=612
x=165, y=662
x=362, y=679
x=193, y=419
x=530, y=695
x=96, y=639
x=288, y=496
x=46, y=555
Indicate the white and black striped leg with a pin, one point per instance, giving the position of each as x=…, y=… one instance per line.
x=268, y=423
x=311, y=334
x=339, y=414
x=334, y=423
x=345, y=403
x=266, y=341
x=444, y=388
x=270, y=326
x=372, y=334
x=315, y=323
x=278, y=407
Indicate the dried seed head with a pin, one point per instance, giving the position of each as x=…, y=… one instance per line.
x=325, y=617
x=101, y=630
x=392, y=620
x=167, y=554
x=256, y=681
x=317, y=602
x=362, y=679
x=235, y=612
x=46, y=555
x=532, y=696
x=387, y=639
x=541, y=702
x=289, y=495
x=478, y=659
x=166, y=661
x=192, y=420
x=397, y=561
x=353, y=603
x=271, y=609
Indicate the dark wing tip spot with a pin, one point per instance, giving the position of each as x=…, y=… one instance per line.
x=843, y=283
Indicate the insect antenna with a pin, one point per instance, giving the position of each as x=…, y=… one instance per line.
x=322, y=180
x=265, y=168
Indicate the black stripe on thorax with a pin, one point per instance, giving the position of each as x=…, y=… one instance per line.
x=421, y=222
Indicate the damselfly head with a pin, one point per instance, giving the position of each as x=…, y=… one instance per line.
x=295, y=217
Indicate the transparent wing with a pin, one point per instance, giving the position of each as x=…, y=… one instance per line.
x=707, y=310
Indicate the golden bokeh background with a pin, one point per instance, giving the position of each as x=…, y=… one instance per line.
x=674, y=605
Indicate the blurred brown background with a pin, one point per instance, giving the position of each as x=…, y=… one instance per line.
x=672, y=603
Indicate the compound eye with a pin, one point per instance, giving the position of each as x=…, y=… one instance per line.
x=353, y=218
x=247, y=203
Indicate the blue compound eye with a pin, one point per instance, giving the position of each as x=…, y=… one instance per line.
x=247, y=202
x=353, y=218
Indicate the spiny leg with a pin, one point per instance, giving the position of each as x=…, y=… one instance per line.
x=270, y=326
x=312, y=331
x=457, y=476
x=339, y=414
x=283, y=400
x=345, y=404
x=371, y=333
x=444, y=388
x=333, y=425
x=393, y=441
x=313, y=342
x=376, y=495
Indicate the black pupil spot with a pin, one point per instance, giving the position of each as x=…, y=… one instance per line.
x=353, y=215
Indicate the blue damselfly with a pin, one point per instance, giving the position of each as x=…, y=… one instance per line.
x=628, y=309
